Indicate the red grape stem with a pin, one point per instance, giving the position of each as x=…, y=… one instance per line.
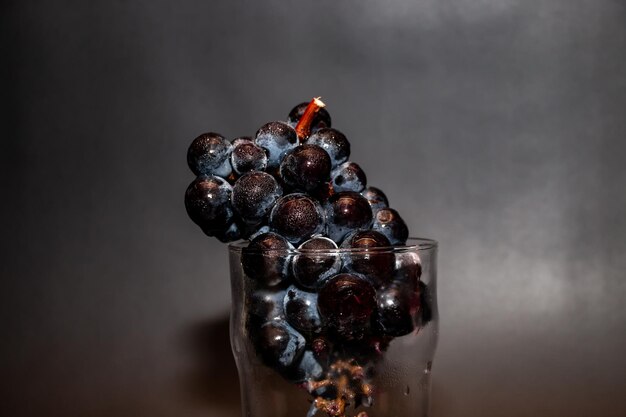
x=303, y=128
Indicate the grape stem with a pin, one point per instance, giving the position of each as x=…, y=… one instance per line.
x=303, y=128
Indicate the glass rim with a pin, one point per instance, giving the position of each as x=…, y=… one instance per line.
x=412, y=244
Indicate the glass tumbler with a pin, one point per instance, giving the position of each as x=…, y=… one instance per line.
x=334, y=332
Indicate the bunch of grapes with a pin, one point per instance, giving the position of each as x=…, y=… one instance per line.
x=316, y=315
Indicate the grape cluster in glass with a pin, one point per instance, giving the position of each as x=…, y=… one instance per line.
x=328, y=286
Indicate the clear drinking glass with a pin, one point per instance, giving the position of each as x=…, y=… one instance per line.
x=369, y=375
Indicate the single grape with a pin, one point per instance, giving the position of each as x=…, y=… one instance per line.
x=209, y=154
x=346, y=303
x=254, y=194
x=408, y=270
x=207, y=201
x=347, y=211
x=297, y=217
x=305, y=168
x=332, y=141
x=376, y=198
x=247, y=156
x=266, y=259
x=278, y=344
x=396, y=306
x=276, y=138
x=263, y=306
x=313, y=265
x=348, y=177
x=388, y=222
x=301, y=311
x=321, y=119
x=368, y=258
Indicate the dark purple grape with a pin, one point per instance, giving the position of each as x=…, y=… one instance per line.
x=209, y=154
x=396, y=306
x=346, y=212
x=376, y=198
x=297, y=217
x=332, y=141
x=266, y=259
x=207, y=201
x=301, y=311
x=247, y=156
x=305, y=168
x=408, y=270
x=320, y=120
x=263, y=306
x=313, y=265
x=278, y=344
x=348, y=177
x=346, y=303
x=368, y=258
x=276, y=138
x=254, y=195
x=388, y=222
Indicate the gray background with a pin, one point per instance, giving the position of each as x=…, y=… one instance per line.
x=495, y=126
